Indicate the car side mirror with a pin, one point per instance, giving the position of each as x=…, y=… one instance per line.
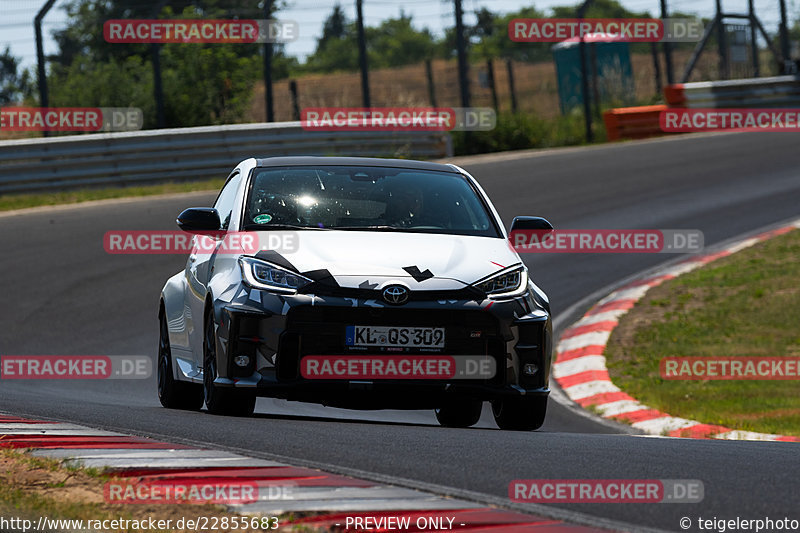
x=539, y=226
x=199, y=220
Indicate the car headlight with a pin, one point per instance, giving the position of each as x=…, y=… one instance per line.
x=505, y=284
x=262, y=275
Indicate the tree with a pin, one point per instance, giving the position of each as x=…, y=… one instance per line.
x=83, y=36
x=203, y=83
x=485, y=27
x=14, y=86
x=335, y=27
x=489, y=37
x=394, y=43
x=599, y=9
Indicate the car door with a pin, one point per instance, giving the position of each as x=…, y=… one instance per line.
x=200, y=266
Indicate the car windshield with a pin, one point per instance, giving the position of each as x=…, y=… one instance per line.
x=365, y=198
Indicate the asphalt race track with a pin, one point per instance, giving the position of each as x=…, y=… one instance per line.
x=62, y=294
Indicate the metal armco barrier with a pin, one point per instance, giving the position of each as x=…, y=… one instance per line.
x=777, y=91
x=642, y=122
x=141, y=157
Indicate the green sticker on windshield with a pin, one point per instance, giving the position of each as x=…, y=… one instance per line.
x=262, y=219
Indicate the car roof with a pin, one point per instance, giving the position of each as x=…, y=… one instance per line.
x=352, y=161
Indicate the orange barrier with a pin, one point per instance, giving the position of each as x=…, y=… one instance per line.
x=642, y=122
x=633, y=122
x=674, y=95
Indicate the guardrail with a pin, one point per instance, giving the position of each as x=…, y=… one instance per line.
x=140, y=157
x=777, y=91
x=633, y=122
x=642, y=122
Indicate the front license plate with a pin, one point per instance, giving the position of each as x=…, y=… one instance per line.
x=394, y=337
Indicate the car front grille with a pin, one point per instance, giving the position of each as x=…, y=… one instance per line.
x=320, y=330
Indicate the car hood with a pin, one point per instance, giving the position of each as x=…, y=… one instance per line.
x=422, y=261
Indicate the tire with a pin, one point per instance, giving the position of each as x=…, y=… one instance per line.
x=221, y=400
x=520, y=414
x=172, y=393
x=461, y=413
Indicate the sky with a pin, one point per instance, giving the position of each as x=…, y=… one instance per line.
x=16, y=16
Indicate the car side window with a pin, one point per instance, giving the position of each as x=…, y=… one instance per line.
x=226, y=200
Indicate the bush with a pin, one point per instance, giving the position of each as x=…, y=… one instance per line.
x=520, y=131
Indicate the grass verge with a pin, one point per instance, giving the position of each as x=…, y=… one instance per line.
x=32, y=486
x=522, y=131
x=746, y=304
x=21, y=201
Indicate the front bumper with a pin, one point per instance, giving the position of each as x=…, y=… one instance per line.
x=276, y=331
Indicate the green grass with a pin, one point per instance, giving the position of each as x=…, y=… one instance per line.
x=22, y=201
x=522, y=131
x=21, y=498
x=747, y=304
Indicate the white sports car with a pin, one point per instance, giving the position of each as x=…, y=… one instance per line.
x=372, y=284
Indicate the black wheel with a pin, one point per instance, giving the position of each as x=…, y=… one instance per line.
x=520, y=414
x=221, y=400
x=461, y=413
x=172, y=393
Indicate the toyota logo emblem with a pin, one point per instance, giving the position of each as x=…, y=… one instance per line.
x=395, y=295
